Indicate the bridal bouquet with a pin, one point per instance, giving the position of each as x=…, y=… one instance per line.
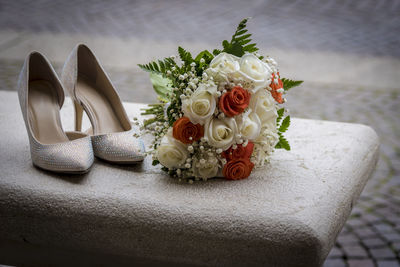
x=218, y=113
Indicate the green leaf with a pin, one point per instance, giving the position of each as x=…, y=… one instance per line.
x=149, y=121
x=283, y=143
x=285, y=124
x=201, y=55
x=216, y=52
x=282, y=127
x=242, y=37
x=185, y=56
x=241, y=32
x=160, y=67
x=162, y=86
x=250, y=48
x=155, y=162
x=226, y=45
x=236, y=50
x=240, y=42
x=287, y=83
x=207, y=56
x=280, y=115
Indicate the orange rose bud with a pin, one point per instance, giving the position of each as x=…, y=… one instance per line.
x=277, y=96
x=237, y=169
x=234, y=101
x=241, y=152
x=187, y=132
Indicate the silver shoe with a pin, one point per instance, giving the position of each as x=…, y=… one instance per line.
x=41, y=97
x=92, y=92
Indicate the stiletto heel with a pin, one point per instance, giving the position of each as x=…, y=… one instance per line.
x=78, y=116
x=41, y=96
x=92, y=90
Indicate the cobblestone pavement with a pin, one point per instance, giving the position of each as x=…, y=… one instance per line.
x=363, y=26
x=371, y=236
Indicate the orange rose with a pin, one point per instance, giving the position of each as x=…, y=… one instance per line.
x=187, y=132
x=237, y=169
x=277, y=96
x=241, y=152
x=234, y=101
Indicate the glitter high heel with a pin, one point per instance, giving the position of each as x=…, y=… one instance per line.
x=93, y=92
x=41, y=97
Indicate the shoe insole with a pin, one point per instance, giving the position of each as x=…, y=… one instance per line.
x=99, y=107
x=44, y=113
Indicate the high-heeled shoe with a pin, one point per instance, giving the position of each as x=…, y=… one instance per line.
x=41, y=97
x=93, y=92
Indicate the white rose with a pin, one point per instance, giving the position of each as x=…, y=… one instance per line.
x=249, y=125
x=222, y=66
x=263, y=104
x=252, y=69
x=207, y=169
x=171, y=153
x=221, y=133
x=201, y=104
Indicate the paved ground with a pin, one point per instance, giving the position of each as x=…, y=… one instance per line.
x=365, y=29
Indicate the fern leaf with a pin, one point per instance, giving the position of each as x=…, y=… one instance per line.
x=242, y=37
x=149, y=68
x=283, y=143
x=240, y=42
x=185, y=56
x=216, y=52
x=225, y=45
x=250, y=48
x=160, y=67
x=285, y=124
x=287, y=83
x=149, y=121
x=207, y=56
x=236, y=49
x=280, y=115
x=244, y=42
x=241, y=32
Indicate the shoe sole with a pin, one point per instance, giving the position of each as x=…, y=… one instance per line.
x=63, y=172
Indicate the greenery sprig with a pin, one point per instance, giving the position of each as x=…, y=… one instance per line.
x=240, y=42
x=287, y=83
x=282, y=126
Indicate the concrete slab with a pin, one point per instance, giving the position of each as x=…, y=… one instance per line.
x=287, y=214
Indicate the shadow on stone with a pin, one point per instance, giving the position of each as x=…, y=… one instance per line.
x=138, y=167
x=74, y=178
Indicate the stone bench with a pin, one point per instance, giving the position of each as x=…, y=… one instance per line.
x=288, y=214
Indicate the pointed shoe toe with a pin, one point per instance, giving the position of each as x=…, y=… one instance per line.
x=120, y=147
x=73, y=157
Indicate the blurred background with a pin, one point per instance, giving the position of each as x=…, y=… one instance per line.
x=347, y=52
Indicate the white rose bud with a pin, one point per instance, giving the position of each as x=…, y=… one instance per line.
x=254, y=71
x=171, y=153
x=263, y=104
x=249, y=126
x=222, y=66
x=221, y=133
x=201, y=104
x=207, y=169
